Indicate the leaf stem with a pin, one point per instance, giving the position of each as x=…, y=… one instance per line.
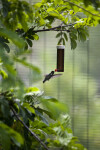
x=32, y=133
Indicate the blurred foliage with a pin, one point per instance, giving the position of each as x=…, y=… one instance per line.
x=14, y=135
x=19, y=24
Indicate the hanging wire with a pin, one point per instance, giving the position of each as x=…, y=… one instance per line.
x=58, y=81
x=61, y=32
x=44, y=57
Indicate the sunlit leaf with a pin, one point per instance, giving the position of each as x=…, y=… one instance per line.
x=31, y=109
x=32, y=89
x=36, y=37
x=3, y=73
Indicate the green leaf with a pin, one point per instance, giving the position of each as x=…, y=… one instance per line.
x=60, y=41
x=29, y=42
x=23, y=62
x=22, y=18
x=65, y=36
x=7, y=48
x=32, y=89
x=49, y=98
x=15, y=136
x=38, y=113
x=26, y=105
x=55, y=107
x=4, y=45
x=63, y=41
x=37, y=5
x=13, y=37
x=3, y=74
x=58, y=2
x=36, y=37
x=41, y=21
x=58, y=35
x=73, y=44
x=46, y=112
x=4, y=139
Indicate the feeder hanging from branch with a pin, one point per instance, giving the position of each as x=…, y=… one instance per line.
x=60, y=58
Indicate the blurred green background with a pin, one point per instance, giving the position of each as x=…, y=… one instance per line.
x=78, y=86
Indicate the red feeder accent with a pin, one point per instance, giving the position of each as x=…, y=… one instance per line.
x=55, y=70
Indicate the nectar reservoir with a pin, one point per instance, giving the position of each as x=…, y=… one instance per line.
x=60, y=58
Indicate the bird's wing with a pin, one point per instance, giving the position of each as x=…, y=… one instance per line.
x=56, y=75
x=45, y=75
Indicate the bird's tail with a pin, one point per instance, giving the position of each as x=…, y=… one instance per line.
x=44, y=81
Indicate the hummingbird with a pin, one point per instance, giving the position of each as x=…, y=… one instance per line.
x=51, y=75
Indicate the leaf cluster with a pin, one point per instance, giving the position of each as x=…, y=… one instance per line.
x=16, y=114
x=22, y=21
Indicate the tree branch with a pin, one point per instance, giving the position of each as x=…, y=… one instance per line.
x=32, y=133
x=54, y=28
x=82, y=8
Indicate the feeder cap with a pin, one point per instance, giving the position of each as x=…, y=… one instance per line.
x=60, y=46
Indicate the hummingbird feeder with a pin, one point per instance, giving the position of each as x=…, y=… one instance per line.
x=60, y=58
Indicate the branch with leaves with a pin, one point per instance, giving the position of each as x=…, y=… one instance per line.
x=17, y=122
x=32, y=133
x=89, y=12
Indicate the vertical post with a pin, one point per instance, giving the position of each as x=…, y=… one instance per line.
x=60, y=58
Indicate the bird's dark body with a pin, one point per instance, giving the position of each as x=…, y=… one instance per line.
x=49, y=76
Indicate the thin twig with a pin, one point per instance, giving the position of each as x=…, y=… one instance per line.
x=32, y=133
x=82, y=8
